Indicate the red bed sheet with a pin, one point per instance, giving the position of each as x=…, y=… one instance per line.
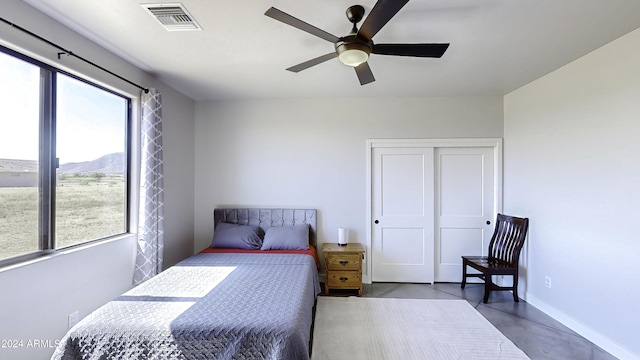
x=312, y=252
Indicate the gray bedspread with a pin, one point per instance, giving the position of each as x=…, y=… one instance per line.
x=209, y=306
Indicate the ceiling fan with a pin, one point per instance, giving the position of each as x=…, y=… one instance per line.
x=354, y=49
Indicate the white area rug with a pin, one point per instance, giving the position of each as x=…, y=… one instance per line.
x=380, y=328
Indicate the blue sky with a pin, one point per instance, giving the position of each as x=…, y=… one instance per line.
x=90, y=120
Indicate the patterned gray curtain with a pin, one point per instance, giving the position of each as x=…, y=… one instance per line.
x=151, y=216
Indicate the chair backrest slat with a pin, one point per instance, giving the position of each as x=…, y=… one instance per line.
x=508, y=238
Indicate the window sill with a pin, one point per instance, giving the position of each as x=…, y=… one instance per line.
x=45, y=255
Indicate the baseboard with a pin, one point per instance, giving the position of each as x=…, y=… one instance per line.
x=588, y=333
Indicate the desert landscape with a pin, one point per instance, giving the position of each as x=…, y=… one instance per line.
x=90, y=204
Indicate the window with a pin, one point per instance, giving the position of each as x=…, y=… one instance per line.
x=19, y=170
x=63, y=159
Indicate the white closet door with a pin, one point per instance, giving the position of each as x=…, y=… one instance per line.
x=464, y=205
x=403, y=215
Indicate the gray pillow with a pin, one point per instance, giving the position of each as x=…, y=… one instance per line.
x=286, y=238
x=237, y=236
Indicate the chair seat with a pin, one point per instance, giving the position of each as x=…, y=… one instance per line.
x=484, y=262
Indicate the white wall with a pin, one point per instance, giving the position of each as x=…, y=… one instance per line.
x=312, y=153
x=572, y=164
x=38, y=297
x=178, y=156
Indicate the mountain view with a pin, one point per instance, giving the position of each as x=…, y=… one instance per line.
x=111, y=164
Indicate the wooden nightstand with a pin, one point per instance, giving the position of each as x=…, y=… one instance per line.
x=343, y=265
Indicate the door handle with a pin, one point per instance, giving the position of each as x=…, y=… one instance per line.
x=488, y=222
x=376, y=221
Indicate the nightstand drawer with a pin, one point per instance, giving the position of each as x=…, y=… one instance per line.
x=344, y=279
x=343, y=262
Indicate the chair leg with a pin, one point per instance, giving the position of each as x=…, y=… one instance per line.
x=515, y=288
x=487, y=287
x=464, y=275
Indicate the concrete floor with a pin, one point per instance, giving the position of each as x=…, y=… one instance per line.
x=534, y=332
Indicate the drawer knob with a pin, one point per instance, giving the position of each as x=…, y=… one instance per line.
x=343, y=262
x=343, y=279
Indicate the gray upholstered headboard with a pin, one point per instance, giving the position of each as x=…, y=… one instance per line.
x=266, y=218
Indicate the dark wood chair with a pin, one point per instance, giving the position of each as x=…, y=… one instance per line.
x=504, y=252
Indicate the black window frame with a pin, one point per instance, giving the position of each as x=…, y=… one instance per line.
x=48, y=162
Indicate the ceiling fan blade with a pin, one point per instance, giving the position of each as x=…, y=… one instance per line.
x=365, y=75
x=381, y=13
x=309, y=63
x=418, y=50
x=297, y=23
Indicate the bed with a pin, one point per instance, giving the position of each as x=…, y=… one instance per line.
x=217, y=304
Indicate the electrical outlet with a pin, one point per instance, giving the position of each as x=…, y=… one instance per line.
x=74, y=317
x=547, y=282
x=364, y=264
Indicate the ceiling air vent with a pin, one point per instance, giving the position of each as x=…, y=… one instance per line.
x=173, y=16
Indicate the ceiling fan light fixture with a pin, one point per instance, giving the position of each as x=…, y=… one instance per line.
x=353, y=54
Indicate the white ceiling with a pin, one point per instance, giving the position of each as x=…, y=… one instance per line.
x=496, y=45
